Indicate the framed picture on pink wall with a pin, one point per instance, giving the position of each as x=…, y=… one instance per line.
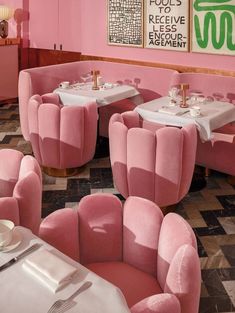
x=213, y=26
x=125, y=22
x=167, y=24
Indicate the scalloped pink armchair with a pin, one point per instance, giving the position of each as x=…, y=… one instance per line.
x=20, y=189
x=151, y=258
x=154, y=164
x=62, y=137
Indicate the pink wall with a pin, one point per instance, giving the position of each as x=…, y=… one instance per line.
x=92, y=34
x=94, y=42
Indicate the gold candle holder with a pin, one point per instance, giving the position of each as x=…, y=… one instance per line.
x=184, y=88
x=95, y=80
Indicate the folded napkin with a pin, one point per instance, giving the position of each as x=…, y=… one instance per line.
x=173, y=110
x=108, y=85
x=49, y=269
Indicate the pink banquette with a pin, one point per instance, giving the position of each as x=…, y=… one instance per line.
x=152, y=82
x=217, y=154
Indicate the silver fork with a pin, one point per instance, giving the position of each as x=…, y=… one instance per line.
x=60, y=304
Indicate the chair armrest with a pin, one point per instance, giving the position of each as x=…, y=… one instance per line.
x=161, y=303
x=60, y=229
x=184, y=278
x=28, y=193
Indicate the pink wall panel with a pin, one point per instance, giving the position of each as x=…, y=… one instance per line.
x=43, y=27
x=94, y=42
x=9, y=72
x=70, y=24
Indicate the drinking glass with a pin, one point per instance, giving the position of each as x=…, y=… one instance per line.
x=85, y=78
x=173, y=94
x=194, y=97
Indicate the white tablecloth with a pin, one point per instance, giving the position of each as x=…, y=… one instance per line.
x=21, y=292
x=213, y=115
x=81, y=95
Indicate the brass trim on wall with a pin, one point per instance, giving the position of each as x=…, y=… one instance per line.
x=179, y=68
x=42, y=57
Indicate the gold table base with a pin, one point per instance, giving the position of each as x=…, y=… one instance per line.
x=64, y=172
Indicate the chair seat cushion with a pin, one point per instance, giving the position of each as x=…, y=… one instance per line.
x=134, y=284
x=225, y=133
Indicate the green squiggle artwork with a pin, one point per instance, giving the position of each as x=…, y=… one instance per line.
x=225, y=27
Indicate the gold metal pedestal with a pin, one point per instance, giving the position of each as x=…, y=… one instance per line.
x=168, y=209
x=66, y=172
x=184, y=88
x=231, y=180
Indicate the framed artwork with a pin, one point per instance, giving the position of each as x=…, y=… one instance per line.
x=213, y=27
x=167, y=24
x=125, y=22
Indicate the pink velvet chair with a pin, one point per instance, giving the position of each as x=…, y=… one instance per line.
x=20, y=189
x=151, y=258
x=63, y=138
x=156, y=165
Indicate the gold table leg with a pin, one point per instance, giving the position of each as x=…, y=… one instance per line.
x=64, y=172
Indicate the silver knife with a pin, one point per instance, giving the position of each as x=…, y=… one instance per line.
x=20, y=256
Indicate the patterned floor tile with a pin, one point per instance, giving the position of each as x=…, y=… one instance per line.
x=229, y=286
x=216, y=304
x=229, y=253
x=228, y=224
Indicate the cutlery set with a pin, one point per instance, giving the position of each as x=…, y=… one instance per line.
x=20, y=256
x=60, y=305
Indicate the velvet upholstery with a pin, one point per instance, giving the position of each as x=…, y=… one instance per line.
x=152, y=83
x=20, y=189
x=151, y=258
x=61, y=137
x=149, y=163
x=217, y=154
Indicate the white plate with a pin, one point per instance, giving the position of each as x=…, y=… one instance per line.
x=16, y=240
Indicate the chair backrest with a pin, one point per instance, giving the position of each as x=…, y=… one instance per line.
x=100, y=228
x=141, y=227
x=216, y=87
x=148, y=164
x=178, y=266
x=62, y=137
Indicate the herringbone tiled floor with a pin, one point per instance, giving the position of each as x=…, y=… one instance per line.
x=210, y=211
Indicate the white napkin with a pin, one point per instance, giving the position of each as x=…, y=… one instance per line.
x=49, y=269
x=173, y=110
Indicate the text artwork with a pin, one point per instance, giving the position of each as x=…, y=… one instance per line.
x=167, y=24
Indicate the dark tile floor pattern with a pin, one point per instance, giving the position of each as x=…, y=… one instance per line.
x=211, y=213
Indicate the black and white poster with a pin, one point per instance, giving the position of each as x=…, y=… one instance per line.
x=167, y=24
x=125, y=22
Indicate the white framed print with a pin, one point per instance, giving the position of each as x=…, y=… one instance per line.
x=167, y=24
x=125, y=22
x=213, y=27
